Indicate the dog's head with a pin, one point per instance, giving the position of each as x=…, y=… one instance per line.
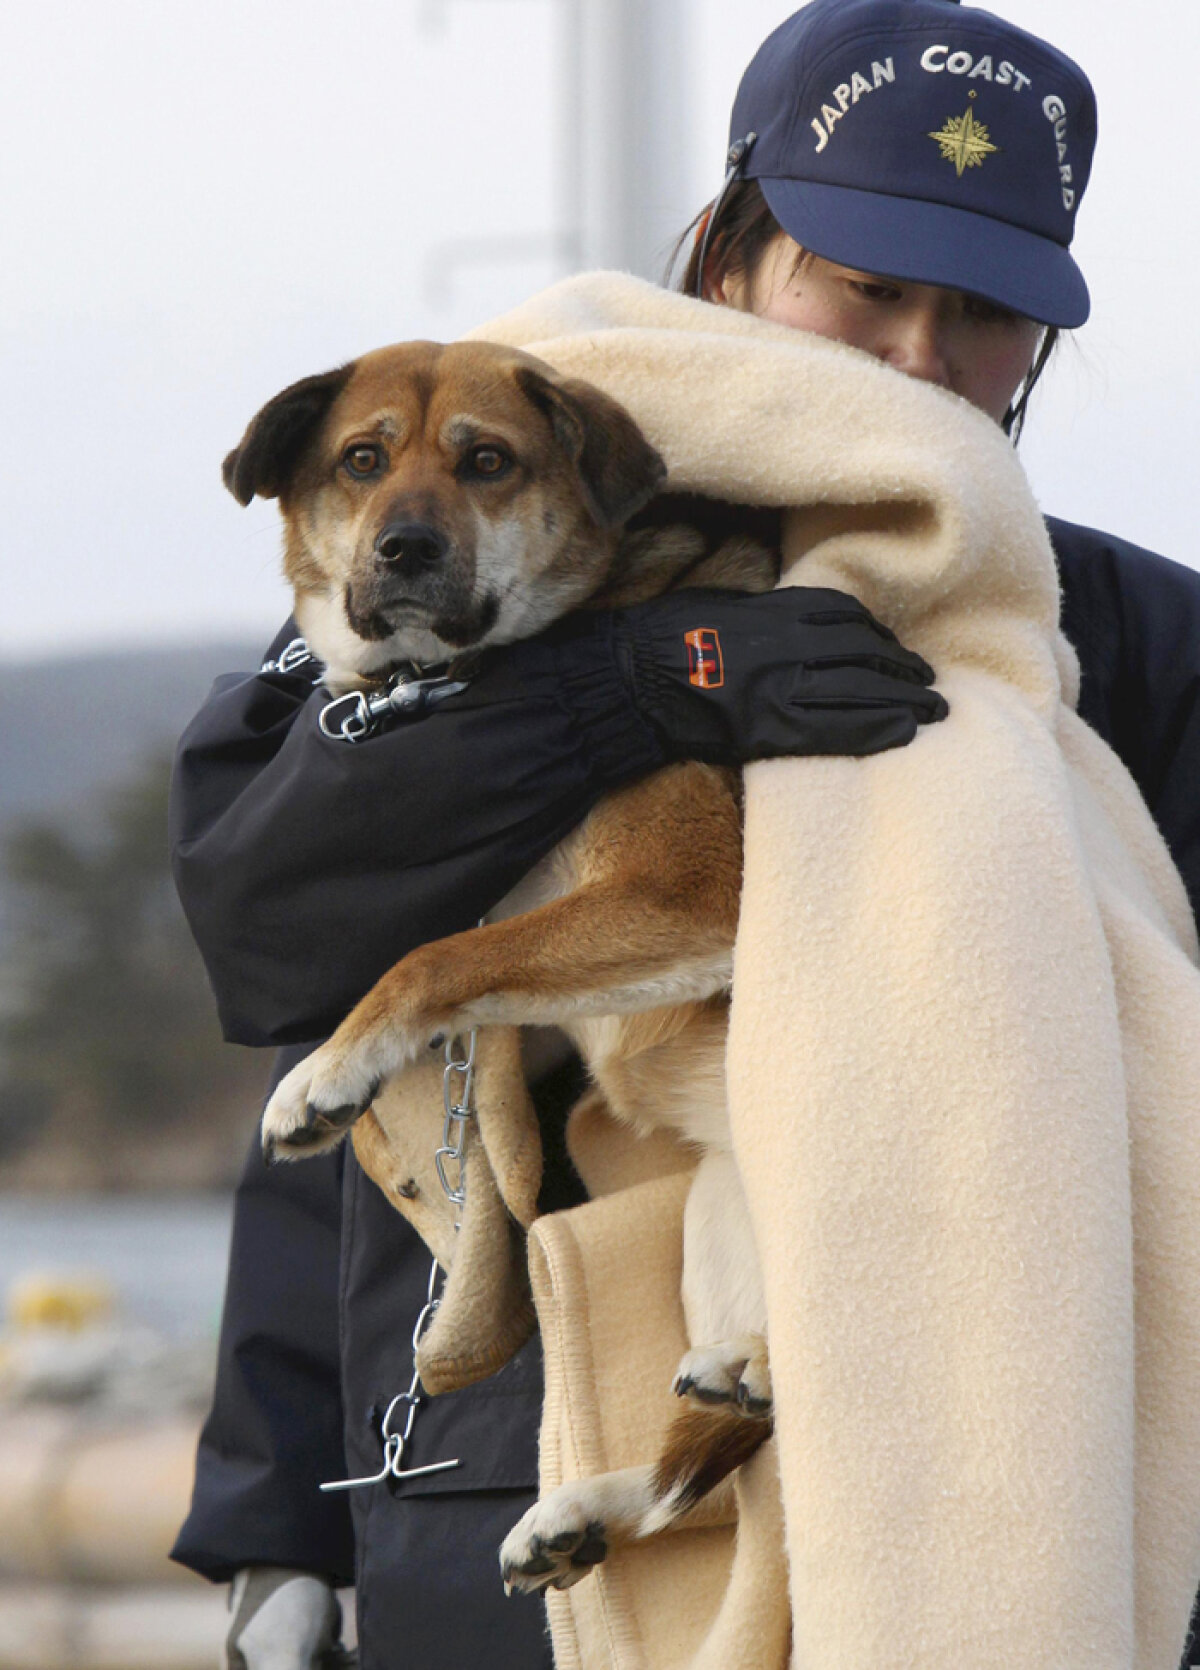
x=438, y=498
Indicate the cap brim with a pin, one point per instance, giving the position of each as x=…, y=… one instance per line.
x=933, y=243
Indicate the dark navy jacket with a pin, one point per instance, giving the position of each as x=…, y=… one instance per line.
x=307, y=868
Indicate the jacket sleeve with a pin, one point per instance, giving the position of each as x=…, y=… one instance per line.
x=1164, y=707
x=1134, y=617
x=308, y=866
x=276, y=1428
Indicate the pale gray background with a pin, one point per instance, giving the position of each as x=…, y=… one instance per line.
x=202, y=202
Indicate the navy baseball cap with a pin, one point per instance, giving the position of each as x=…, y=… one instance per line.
x=928, y=141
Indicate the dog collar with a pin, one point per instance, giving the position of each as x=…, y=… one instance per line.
x=410, y=692
x=291, y=658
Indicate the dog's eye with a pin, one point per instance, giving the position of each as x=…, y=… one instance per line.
x=362, y=460
x=488, y=460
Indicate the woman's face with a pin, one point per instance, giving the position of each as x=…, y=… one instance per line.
x=962, y=343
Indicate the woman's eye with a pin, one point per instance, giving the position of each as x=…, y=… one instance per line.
x=488, y=460
x=362, y=460
x=988, y=313
x=874, y=291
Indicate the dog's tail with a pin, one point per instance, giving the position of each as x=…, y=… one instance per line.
x=703, y=1446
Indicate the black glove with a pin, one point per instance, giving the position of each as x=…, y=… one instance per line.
x=725, y=677
x=282, y=836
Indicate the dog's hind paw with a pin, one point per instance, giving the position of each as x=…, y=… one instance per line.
x=735, y=1372
x=553, y=1546
x=311, y=1110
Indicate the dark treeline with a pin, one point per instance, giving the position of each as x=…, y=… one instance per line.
x=112, y=1070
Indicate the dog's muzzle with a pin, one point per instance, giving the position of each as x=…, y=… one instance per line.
x=410, y=549
x=411, y=574
x=415, y=578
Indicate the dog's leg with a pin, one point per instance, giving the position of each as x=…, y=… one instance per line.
x=722, y=1294
x=650, y=923
x=734, y=1372
x=727, y=1386
x=567, y=1533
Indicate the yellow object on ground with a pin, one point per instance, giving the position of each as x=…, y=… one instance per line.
x=49, y=1300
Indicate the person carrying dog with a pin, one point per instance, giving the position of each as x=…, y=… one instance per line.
x=307, y=867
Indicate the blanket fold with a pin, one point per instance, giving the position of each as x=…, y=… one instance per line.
x=964, y=1082
x=599, y=1416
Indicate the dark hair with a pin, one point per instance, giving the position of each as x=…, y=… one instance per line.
x=742, y=230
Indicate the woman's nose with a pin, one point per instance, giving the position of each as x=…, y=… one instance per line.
x=915, y=344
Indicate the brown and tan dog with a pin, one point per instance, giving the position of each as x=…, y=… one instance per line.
x=439, y=499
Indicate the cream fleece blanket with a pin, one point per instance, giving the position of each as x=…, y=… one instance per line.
x=964, y=1076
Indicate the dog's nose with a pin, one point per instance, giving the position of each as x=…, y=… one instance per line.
x=413, y=545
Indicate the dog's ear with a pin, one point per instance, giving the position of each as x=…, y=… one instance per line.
x=265, y=457
x=617, y=467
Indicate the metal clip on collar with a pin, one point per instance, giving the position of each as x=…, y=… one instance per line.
x=355, y=717
x=290, y=658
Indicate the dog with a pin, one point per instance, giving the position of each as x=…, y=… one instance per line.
x=437, y=500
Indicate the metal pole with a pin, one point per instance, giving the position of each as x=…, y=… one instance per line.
x=632, y=167
x=621, y=141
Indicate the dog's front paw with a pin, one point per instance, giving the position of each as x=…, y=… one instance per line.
x=315, y=1105
x=735, y=1372
x=554, y=1545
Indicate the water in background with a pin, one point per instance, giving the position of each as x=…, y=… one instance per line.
x=164, y=1256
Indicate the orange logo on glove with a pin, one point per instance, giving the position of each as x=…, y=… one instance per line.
x=706, y=668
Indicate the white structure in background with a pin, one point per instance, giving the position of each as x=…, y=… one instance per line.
x=626, y=178
x=620, y=137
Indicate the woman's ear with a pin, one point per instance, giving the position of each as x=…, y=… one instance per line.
x=729, y=289
x=723, y=291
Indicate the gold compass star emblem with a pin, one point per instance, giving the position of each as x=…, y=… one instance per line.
x=964, y=141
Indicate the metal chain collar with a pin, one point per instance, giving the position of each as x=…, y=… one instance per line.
x=291, y=658
x=458, y=1100
x=408, y=694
